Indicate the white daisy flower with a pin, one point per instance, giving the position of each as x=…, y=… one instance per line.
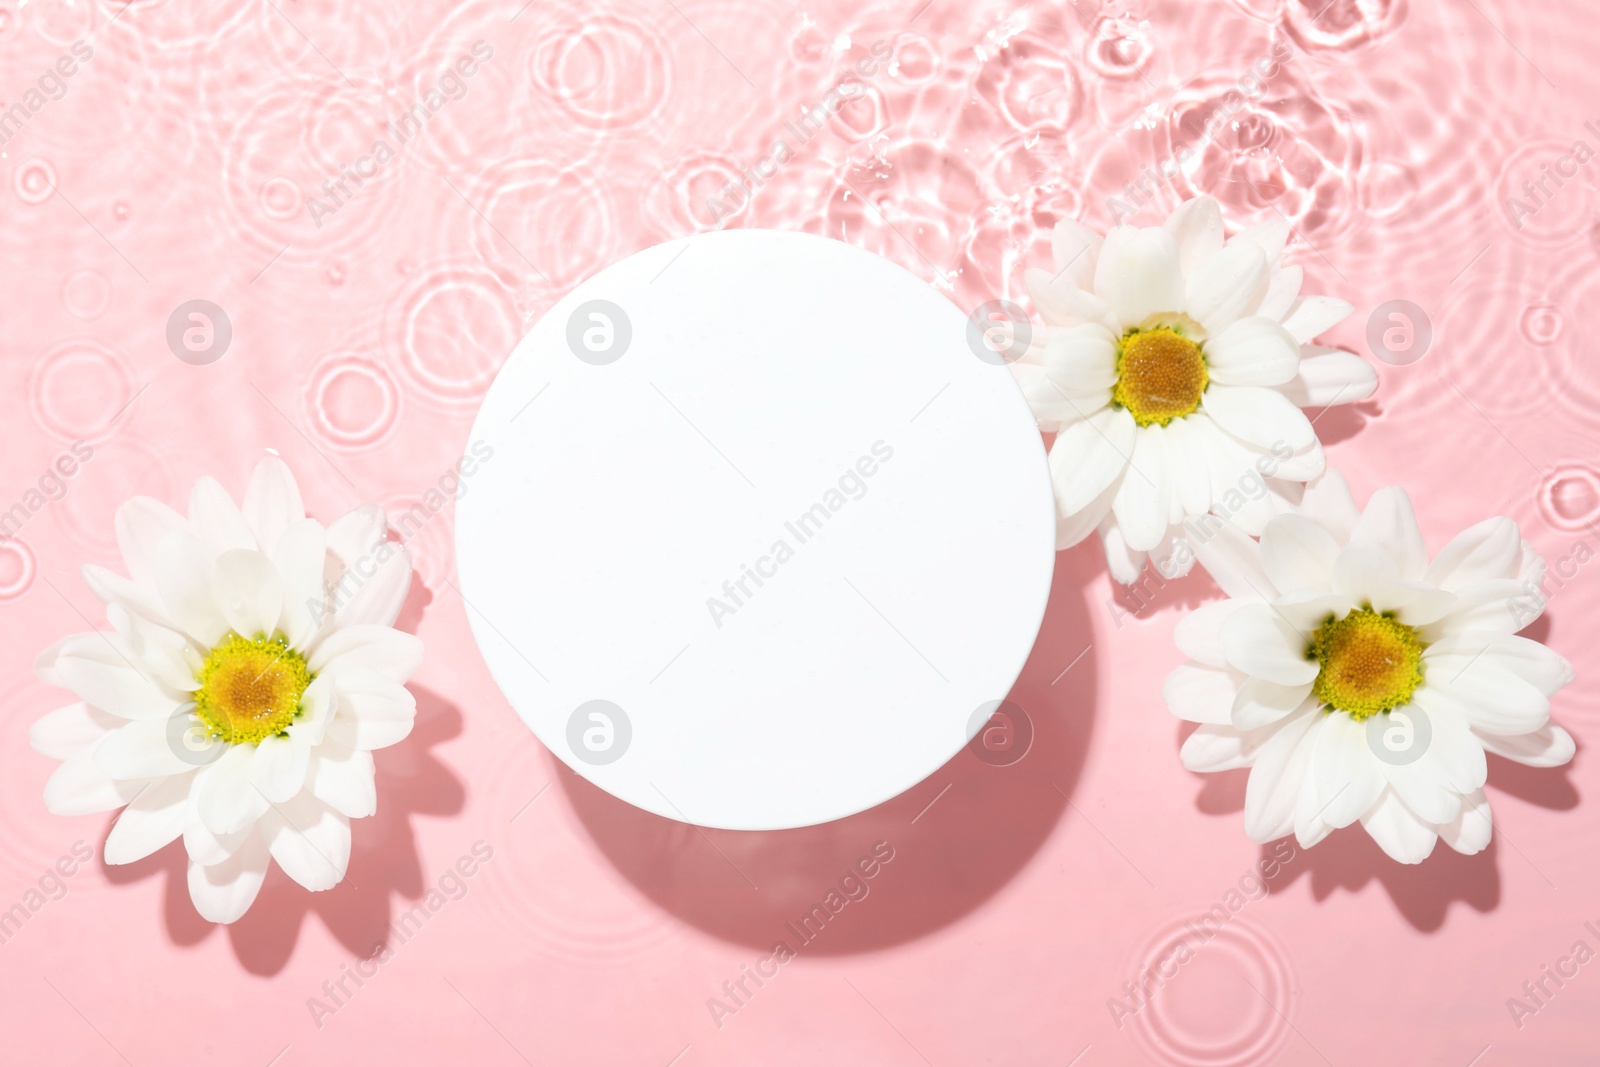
x=1174, y=366
x=1357, y=679
x=251, y=671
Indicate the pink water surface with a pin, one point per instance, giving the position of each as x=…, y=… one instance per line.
x=176, y=163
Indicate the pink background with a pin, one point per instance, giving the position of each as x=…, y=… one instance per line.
x=1019, y=899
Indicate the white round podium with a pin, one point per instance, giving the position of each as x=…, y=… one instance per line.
x=760, y=534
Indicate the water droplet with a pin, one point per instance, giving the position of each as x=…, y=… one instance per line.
x=17, y=568
x=1253, y=131
x=1542, y=324
x=35, y=181
x=1570, y=497
x=1121, y=48
x=86, y=294
x=352, y=401
x=280, y=198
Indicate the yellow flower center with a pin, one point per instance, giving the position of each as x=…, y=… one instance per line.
x=1371, y=662
x=250, y=688
x=1161, y=376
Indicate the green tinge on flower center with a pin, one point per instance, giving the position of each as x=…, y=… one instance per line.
x=1161, y=376
x=250, y=689
x=1371, y=662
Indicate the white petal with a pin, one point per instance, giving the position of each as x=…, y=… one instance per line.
x=1390, y=522
x=299, y=559
x=390, y=652
x=182, y=565
x=1328, y=502
x=1492, y=700
x=272, y=503
x=1298, y=554
x=1277, y=777
x=67, y=731
x=101, y=670
x=1075, y=249
x=1313, y=315
x=1201, y=694
x=1062, y=303
x=310, y=841
x=1053, y=407
x=1261, y=644
x=1398, y=831
x=1196, y=227
x=1302, y=466
x=224, y=892
x=1346, y=781
x=248, y=591
x=141, y=523
x=1430, y=800
x=1305, y=611
x=374, y=711
x=1538, y=665
x=1550, y=746
x=318, y=705
x=379, y=598
x=357, y=533
x=1082, y=360
x=1174, y=556
x=225, y=798
x=1413, y=603
x=143, y=749
x=1271, y=235
x=1482, y=608
x=1138, y=275
x=1261, y=703
x=1490, y=550
x=1232, y=464
x=1198, y=634
x=151, y=821
x=1329, y=378
x=1454, y=756
x=217, y=519
x=110, y=588
x=1124, y=563
x=1216, y=748
x=345, y=780
x=163, y=654
x=44, y=664
x=1227, y=287
x=278, y=768
x=1363, y=567
x=1238, y=488
x=209, y=849
x=1089, y=456
x=1233, y=560
x=1532, y=568
x=1470, y=831
x=80, y=787
x=1143, y=503
x=1282, y=291
x=1309, y=831
x=1187, y=462
x=1253, y=351
x=1284, y=493
x=1263, y=417
x=1071, y=528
